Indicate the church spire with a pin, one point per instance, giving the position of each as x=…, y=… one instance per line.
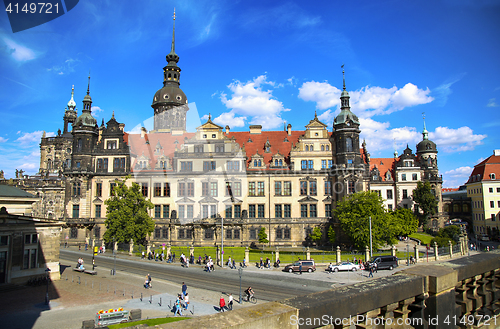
x=172, y=57
x=425, y=133
x=344, y=96
x=72, y=103
x=87, y=100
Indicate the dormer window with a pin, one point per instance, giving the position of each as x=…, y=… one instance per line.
x=111, y=145
x=492, y=176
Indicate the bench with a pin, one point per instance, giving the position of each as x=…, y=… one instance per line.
x=90, y=272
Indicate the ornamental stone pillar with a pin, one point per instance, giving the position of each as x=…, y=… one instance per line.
x=247, y=256
x=339, y=255
x=436, y=256
x=277, y=253
x=308, y=254
x=417, y=255
x=367, y=254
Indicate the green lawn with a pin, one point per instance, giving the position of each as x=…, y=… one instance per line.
x=149, y=322
x=424, y=238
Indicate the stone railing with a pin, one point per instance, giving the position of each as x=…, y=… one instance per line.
x=460, y=293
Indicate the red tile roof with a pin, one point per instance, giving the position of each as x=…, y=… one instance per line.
x=383, y=165
x=485, y=168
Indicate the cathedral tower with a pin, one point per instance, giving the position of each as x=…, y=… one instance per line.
x=170, y=103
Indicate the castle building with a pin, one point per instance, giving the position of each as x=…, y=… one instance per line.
x=286, y=181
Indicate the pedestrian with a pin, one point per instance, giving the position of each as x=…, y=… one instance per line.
x=149, y=281
x=222, y=303
x=300, y=268
x=234, y=264
x=186, y=301
x=184, y=289
x=230, y=302
x=371, y=272
x=178, y=306
x=375, y=267
x=142, y=255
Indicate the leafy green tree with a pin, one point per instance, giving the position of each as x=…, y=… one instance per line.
x=446, y=234
x=316, y=234
x=354, y=211
x=405, y=221
x=127, y=214
x=426, y=201
x=331, y=235
x=263, y=235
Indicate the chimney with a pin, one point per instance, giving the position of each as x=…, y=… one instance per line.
x=496, y=152
x=289, y=129
x=122, y=126
x=255, y=129
x=143, y=132
x=227, y=130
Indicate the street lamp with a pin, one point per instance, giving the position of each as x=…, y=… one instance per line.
x=240, y=272
x=47, y=293
x=222, y=241
x=114, y=256
x=371, y=253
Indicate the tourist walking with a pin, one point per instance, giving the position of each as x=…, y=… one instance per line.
x=230, y=302
x=184, y=289
x=222, y=303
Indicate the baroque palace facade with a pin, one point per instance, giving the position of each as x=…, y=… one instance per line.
x=285, y=181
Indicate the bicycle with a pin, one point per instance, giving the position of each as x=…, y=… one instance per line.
x=250, y=299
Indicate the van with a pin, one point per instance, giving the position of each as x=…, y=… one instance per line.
x=307, y=266
x=384, y=262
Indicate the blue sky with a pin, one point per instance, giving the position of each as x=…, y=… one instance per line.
x=265, y=62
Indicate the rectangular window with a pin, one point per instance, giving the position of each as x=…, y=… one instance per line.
x=260, y=188
x=303, y=210
x=389, y=194
x=492, y=204
x=303, y=188
x=278, y=211
x=186, y=166
x=204, y=189
x=310, y=164
x=303, y=164
x=328, y=210
x=144, y=189
x=312, y=188
x=157, y=232
x=277, y=188
x=389, y=207
x=181, y=211
x=76, y=211
x=166, y=211
x=287, y=213
x=164, y=232
x=208, y=165
x=190, y=211
x=287, y=188
x=286, y=233
x=97, y=211
x=236, y=234
x=251, y=210
x=405, y=194
x=213, y=189
x=236, y=188
x=251, y=189
x=229, y=234
x=403, y=177
x=498, y=204
x=111, y=188
x=213, y=211
x=73, y=233
x=182, y=189
x=312, y=210
x=157, y=211
x=98, y=189
x=253, y=234
x=492, y=217
x=229, y=212
x=157, y=189
x=323, y=164
x=260, y=210
x=166, y=189
x=209, y=234
x=330, y=164
x=414, y=177
x=190, y=189
x=180, y=233
x=204, y=209
x=229, y=189
x=352, y=187
x=498, y=189
x=279, y=233
x=328, y=187
x=491, y=189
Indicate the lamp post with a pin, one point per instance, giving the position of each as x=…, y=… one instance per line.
x=47, y=293
x=240, y=272
x=222, y=241
x=371, y=253
x=114, y=256
x=407, y=251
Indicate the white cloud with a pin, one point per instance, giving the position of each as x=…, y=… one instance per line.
x=229, y=119
x=368, y=101
x=30, y=165
x=34, y=137
x=456, y=140
x=67, y=67
x=461, y=172
x=3, y=140
x=18, y=52
x=327, y=117
x=252, y=100
x=96, y=110
x=444, y=90
x=379, y=137
x=492, y=103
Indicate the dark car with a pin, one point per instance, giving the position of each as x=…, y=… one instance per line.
x=384, y=262
x=307, y=266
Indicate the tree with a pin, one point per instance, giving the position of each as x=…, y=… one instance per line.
x=127, y=215
x=354, y=211
x=331, y=235
x=406, y=221
x=263, y=235
x=426, y=201
x=316, y=234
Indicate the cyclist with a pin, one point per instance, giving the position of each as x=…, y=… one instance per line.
x=249, y=293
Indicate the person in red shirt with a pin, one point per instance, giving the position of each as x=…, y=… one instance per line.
x=222, y=303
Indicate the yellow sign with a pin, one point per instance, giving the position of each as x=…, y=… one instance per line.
x=95, y=250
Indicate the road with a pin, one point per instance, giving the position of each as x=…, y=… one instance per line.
x=267, y=286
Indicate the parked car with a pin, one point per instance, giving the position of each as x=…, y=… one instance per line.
x=384, y=262
x=307, y=266
x=343, y=266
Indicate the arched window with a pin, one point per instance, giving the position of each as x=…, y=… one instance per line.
x=307, y=147
x=281, y=163
x=49, y=164
x=322, y=147
x=276, y=162
x=255, y=163
x=311, y=148
x=348, y=144
x=260, y=163
x=328, y=147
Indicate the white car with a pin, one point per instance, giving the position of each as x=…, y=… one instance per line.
x=344, y=266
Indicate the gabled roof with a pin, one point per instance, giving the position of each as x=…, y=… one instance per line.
x=383, y=165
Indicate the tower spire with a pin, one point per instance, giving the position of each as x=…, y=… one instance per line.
x=425, y=133
x=343, y=75
x=172, y=57
x=88, y=85
x=173, y=36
